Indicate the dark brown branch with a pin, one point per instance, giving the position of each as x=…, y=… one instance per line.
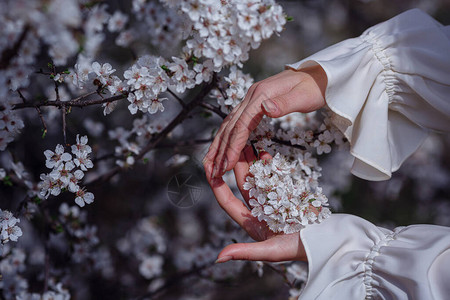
x=38, y=111
x=84, y=96
x=288, y=143
x=281, y=273
x=10, y=53
x=72, y=103
x=175, y=280
x=214, y=109
x=161, y=135
x=178, y=120
x=185, y=143
x=103, y=157
x=64, y=124
x=177, y=98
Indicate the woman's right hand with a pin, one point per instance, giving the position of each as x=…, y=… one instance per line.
x=289, y=91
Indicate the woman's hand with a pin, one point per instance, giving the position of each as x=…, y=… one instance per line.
x=287, y=92
x=269, y=246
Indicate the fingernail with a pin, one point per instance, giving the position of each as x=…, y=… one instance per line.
x=223, y=259
x=214, y=171
x=269, y=106
x=225, y=164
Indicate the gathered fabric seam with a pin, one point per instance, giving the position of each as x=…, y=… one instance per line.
x=389, y=78
x=368, y=262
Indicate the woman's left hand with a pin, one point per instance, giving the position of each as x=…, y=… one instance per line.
x=269, y=246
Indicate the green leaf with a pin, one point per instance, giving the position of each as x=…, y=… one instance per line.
x=289, y=18
x=7, y=181
x=59, y=228
x=206, y=114
x=37, y=200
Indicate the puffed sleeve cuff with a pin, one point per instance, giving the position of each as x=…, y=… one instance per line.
x=352, y=258
x=387, y=89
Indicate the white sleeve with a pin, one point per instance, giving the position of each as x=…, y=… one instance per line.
x=350, y=258
x=387, y=89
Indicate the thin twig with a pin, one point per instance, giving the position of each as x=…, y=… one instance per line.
x=281, y=273
x=287, y=143
x=84, y=96
x=174, y=280
x=177, y=98
x=161, y=135
x=185, y=143
x=38, y=111
x=71, y=103
x=214, y=109
x=103, y=157
x=64, y=124
x=22, y=96
x=224, y=95
x=42, y=121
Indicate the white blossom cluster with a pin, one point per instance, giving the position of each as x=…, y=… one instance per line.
x=147, y=79
x=233, y=89
x=11, y=265
x=15, y=286
x=9, y=231
x=83, y=237
x=225, y=31
x=282, y=197
x=67, y=171
x=57, y=292
x=147, y=243
x=10, y=124
x=166, y=25
x=132, y=141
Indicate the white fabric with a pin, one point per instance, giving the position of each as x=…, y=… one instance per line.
x=350, y=258
x=388, y=88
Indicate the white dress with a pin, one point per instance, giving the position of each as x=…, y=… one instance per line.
x=387, y=89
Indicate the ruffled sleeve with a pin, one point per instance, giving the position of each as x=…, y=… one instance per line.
x=350, y=258
x=387, y=89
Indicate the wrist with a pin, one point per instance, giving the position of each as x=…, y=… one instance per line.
x=319, y=79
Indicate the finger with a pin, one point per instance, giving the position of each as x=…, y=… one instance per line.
x=226, y=199
x=241, y=170
x=212, y=151
x=235, y=138
x=265, y=155
x=278, y=248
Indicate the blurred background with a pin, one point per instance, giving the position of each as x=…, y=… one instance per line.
x=146, y=208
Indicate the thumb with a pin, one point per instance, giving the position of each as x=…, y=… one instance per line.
x=282, y=247
x=301, y=98
x=247, y=251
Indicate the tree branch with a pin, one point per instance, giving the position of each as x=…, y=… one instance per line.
x=10, y=53
x=161, y=135
x=177, y=98
x=174, y=280
x=214, y=109
x=72, y=103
